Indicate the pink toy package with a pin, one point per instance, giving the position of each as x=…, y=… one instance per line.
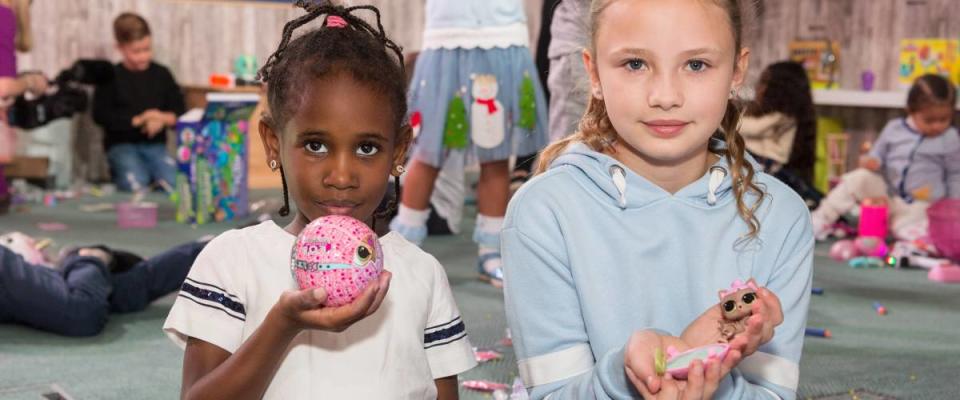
x=873, y=220
x=339, y=254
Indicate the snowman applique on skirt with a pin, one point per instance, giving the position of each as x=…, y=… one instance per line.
x=487, y=102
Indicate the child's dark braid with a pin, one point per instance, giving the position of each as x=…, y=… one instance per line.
x=345, y=43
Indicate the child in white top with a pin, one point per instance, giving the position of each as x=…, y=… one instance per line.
x=335, y=132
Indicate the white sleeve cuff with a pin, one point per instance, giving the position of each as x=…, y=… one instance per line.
x=556, y=366
x=767, y=367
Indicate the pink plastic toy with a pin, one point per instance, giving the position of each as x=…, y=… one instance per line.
x=136, y=215
x=946, y=273
x=25, y=246
x=873, y=220
x=484, y=386
x=339, y=254
x=843, y=250
x=871, y=246
x=678, y=364
x=944, y=218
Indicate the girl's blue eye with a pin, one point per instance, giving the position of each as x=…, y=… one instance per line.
x=316, y=147
x=636, y=64
x=697, y=65
x=367, y=149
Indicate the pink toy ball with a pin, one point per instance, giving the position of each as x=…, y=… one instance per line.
x=843, y=250
x=871, y=246
x=339, y=254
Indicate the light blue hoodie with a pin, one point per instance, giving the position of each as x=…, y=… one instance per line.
x=593, y=252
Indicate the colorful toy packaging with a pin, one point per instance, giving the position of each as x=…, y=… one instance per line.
x=211, y=159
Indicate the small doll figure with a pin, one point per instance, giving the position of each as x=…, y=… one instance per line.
x=735, y=308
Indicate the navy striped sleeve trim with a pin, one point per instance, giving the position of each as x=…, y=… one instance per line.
x=445, y=333
x=213, y=307
x=218, y=288
x=214, y=299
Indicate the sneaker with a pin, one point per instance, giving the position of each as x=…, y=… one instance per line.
x=494, y=276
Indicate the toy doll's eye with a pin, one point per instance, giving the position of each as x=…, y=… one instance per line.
x=749, y=298
x=363, y=256
x=729, y=305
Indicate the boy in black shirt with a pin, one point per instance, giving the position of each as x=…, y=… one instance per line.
x=136, y=108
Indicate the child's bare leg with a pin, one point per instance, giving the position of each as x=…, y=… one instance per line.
x=493, y=191
x=411, y=220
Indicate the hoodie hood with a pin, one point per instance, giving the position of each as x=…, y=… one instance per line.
x=626, y=189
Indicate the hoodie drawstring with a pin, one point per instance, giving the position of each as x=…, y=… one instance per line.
x=620, y=181
x=717, y=174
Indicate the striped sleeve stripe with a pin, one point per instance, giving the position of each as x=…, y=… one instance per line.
x=215, y=287
x=213, y=299
x=445, y=333
x=443, y=325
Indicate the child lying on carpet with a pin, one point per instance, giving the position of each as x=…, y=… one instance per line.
x=73, y=294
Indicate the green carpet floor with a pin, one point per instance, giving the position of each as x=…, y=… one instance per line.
x=911, y=353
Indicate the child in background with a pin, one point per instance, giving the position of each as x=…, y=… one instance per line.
x=615, y=250
x=780, y=128
x=135, y=110
x=914, y=162
x=335, y=132
x=567, y=79
x=475, y=90
x=73, y=296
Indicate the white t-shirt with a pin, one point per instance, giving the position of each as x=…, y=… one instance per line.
x=415, y=336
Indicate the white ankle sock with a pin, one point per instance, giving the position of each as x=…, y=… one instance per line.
x=412, y=218
x=488, y=224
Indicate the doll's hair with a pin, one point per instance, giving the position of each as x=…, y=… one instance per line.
x=739, y=285
x=345, y=43
x=597, y=132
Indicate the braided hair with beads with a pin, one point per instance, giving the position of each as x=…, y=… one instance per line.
x=344, y=43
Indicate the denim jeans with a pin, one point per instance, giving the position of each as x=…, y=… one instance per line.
x=135, y=166
x=76, y=299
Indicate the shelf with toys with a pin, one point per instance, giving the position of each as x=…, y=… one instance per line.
x=860, y=98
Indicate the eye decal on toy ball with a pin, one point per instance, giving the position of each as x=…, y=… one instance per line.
x=363, y=255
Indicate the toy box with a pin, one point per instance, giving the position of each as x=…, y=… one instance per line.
x=212, y=159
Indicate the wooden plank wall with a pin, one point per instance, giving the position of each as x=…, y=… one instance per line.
x=198, y=37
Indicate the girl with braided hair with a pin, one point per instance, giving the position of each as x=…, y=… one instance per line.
x=335, y=133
